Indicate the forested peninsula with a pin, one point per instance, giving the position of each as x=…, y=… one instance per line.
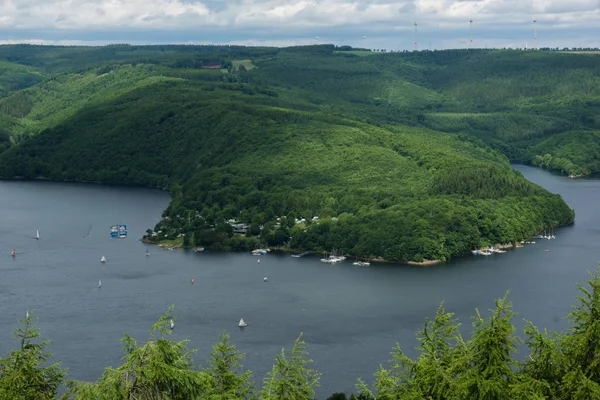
x=400, y=156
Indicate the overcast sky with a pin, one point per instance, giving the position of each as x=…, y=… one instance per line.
x=383, y=23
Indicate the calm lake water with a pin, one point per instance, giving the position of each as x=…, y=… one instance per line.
x=351, y=316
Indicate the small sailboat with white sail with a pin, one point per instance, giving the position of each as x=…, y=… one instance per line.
x=171, y=324
x=242, y=324
x=99, y=284
x=37, y=234
x=102, y=259
x=147, y=253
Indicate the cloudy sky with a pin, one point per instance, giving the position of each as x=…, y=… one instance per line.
x=369, y=23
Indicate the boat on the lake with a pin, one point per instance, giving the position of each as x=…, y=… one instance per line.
x=332, y=259
x=260, y=252
x=301, y=254
x=361, y=263
x=242, y=324
x=102, y=259
x=118, y=231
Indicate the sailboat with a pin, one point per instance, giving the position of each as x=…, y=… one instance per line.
x=99, y=284
x=242, y=323
x=37, y=235
x=103, y=259
x=172, y=324
x=147, y=254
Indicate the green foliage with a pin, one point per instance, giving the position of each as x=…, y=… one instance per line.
x=432, y=375
x=489, y=360
x=410, y=151
x=159, y=368
x=558, y=366
x=226, y=381
x=24, y=373
x=290, y=378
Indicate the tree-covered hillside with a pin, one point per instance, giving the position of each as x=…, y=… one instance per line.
x=402, y=156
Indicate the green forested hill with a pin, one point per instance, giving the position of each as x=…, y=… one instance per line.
x=402, y=156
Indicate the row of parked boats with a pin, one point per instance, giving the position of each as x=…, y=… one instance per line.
x=332, y=259
x=488, y=252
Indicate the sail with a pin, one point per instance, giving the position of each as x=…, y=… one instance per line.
x=37, y=234
x=242, y=323
x=103, y=259
x=99, y=283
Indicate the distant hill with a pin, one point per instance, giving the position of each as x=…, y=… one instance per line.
x=401, y=156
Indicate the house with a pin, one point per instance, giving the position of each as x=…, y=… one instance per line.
x=239, y=228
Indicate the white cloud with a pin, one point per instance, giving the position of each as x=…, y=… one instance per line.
x=288, y=21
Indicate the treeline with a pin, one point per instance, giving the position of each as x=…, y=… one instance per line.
x=448, y=366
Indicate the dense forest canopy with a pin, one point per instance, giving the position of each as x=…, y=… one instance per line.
x=401, y=156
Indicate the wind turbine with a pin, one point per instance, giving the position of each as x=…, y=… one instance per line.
x=416, y=36
x=534, y=34
x=471, y=32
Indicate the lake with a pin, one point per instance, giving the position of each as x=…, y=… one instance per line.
x=351, y=317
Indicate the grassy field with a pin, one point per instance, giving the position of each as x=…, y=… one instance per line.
x=246, y=63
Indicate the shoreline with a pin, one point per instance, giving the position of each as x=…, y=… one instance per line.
x=44, y=178
x=167, y=245
x=380, y=260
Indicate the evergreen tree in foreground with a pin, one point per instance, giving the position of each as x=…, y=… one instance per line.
x=557, y=366
x=158, y=369
x=225, y=379
x=290, y=379
x=23, y=374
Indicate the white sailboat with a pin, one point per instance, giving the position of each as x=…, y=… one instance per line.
x=242, y=323
x=99, y=284
x=147, y=254
x=103, y=259
x=172, y=324
x=37, y=235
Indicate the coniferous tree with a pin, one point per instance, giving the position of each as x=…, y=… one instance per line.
x=581, y=345
x=489, y=364
x=226, y=381
x=23, y=374
x=290, y=378
x=541, y=372
x=158, y=369
x=432, y=375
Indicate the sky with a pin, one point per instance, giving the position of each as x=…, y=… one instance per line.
x=375, y=24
